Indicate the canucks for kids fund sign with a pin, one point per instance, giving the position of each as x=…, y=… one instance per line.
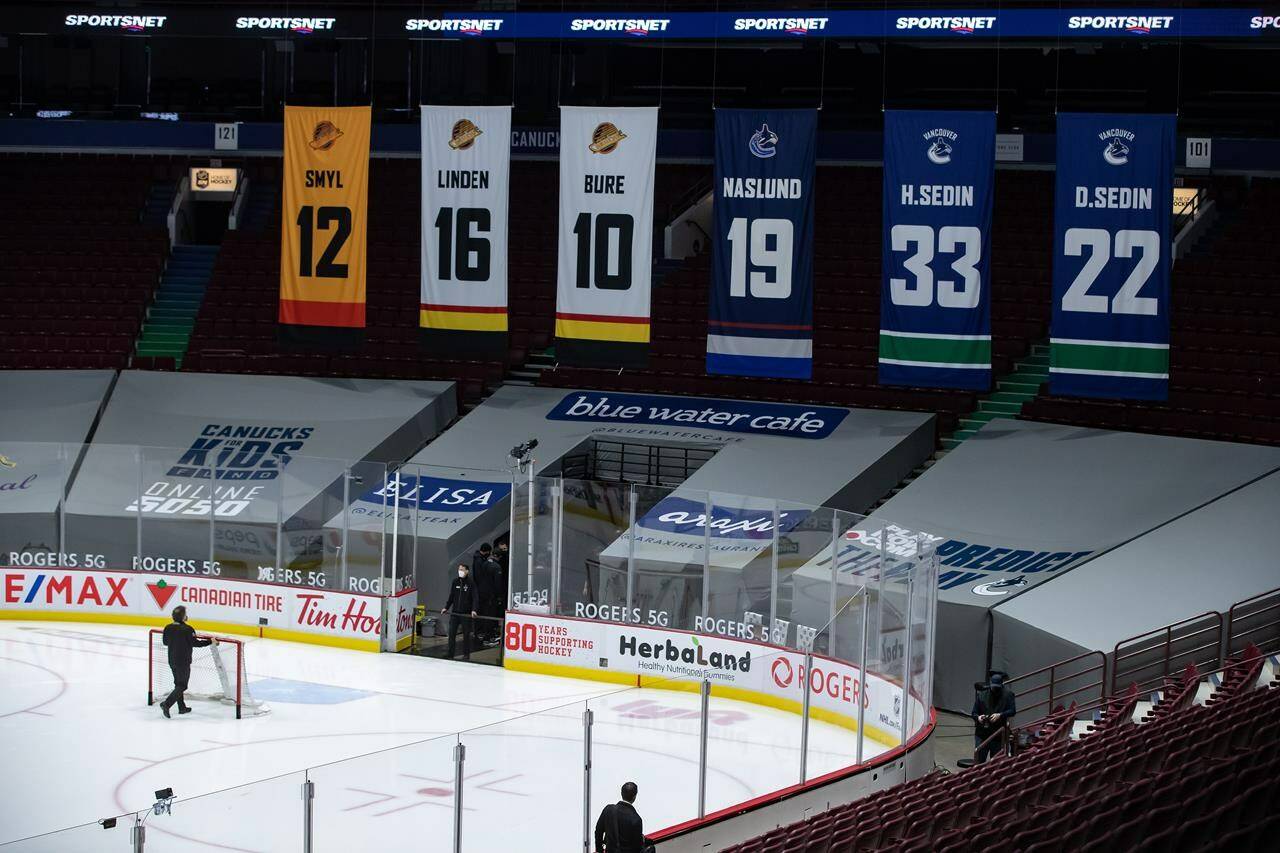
x=778, y=419
x=935, y=307
x=1111, y=256
x=762, y=288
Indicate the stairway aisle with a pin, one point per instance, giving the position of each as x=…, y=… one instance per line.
x=1012, y=392
x=170, y=319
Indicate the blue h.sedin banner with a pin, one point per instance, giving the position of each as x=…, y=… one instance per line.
x=761, y=302
x=935, y=303
x=1112, y=256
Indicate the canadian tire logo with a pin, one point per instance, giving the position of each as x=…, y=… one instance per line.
x=161, y=592
x=782, y=673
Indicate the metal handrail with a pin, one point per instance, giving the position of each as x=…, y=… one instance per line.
x=1052, y=669
x=1232, y=635
x=1167, y=644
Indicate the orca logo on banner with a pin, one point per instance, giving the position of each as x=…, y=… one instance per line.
x=935, y=315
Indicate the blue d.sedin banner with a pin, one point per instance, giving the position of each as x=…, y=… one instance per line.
x=1112, y=256
x=935, y=303
x=761, y=304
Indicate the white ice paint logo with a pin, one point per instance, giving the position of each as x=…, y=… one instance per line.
x=1116, y=149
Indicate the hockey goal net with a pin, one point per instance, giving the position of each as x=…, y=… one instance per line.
x=217, y=674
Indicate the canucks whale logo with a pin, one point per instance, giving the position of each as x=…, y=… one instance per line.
x=940, y=152
x=763, y=142
x=1116, y=152
x=1003, y=587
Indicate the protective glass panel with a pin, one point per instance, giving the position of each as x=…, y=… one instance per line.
x=592, y=550
x=310, y=512
x=923, y=590
x=742, y=574
x=180, y=492
x=667, y=556
x=361, y=547
x=89, y=836
x=649, y=736
x=753, y=747
x=101, y=517
x=510, y=769
x=891, y=658
x=33, y=478
x=805, y=596
x=263, y=815
x=403, y=792
x=532, y=543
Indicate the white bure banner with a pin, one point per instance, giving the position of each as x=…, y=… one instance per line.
x=466, y=163
x=606, y=234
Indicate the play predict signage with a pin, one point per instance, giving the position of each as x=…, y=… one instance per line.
x=777, y=419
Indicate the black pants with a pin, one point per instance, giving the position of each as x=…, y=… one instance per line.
x=991, y=750
x=181, y=675
x=459, y=622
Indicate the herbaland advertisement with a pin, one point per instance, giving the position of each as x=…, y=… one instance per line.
x=677, y=660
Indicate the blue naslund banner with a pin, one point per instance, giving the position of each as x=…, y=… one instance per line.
x=935, y=303
x=762, y=265
x=1112, y=256
x=778, y=419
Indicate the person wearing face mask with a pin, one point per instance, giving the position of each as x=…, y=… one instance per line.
x=993, y=708
x=461, y=607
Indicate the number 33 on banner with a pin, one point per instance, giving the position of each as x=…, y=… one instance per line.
x=323, y=227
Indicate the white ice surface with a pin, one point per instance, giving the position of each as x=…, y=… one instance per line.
x=78, y=743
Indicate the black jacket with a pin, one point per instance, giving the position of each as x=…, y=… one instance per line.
x=986, y=702
x=462, y=597
x=486, y=574
x=180, y=638
x=630, y=829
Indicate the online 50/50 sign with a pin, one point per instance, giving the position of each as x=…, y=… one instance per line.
x=289, y=612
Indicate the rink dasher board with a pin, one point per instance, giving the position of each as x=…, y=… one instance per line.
x=216, y=605
x=601, y=651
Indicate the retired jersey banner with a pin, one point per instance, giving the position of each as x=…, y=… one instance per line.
x=761, y=305
x=1112, y=255
x=606, y=235
x=322, y=242
x=466, y=159
x=935, y=302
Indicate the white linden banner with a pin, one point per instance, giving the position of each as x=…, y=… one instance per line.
x=737, y=669
x=215, y=605
x=606, y=234
x=466, y=160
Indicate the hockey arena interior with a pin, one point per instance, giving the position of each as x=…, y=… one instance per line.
x=647, y=426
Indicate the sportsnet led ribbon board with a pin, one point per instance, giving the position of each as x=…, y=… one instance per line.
x=935, y=302
x=466, y=159
x=323, y=227
x=606, y=235
x=1112, y=256
x=761, y=307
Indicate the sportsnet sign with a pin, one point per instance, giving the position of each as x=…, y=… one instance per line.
x=790, y=26
x=637, y=27
x=309, y=615
x=1134, y=24
x=128, y=23
x=778, y=419
x=755, y=671
x=460, y=26
x=964, y=25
